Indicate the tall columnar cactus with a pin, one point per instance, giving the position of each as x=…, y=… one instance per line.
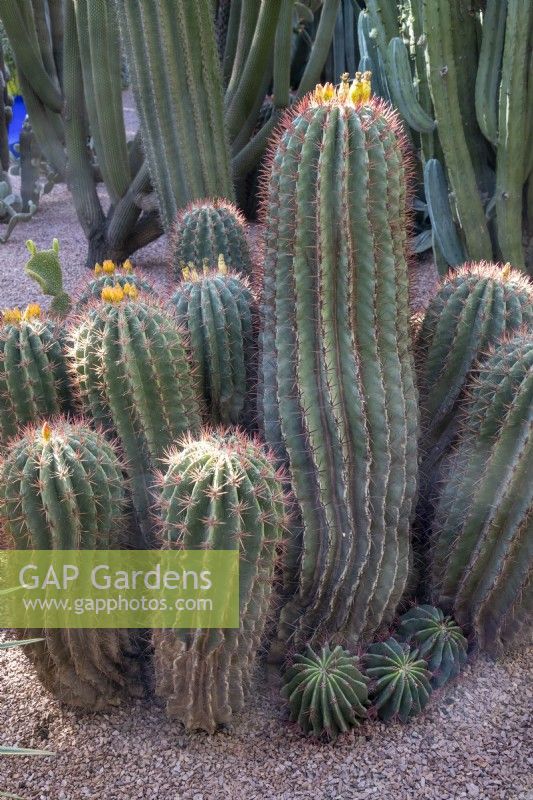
x=220, y=492
x=473, y=308
x=483, y=532
x=338, y=401
x=134, y=378
x=218, y=310
x=110, y=274
x=205, y=230
x=34, y=378
x=62, y=488
x=326, y=692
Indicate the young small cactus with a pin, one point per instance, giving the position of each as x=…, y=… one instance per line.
x=34, y=378
x=401, y=680
x=326, y=692
x=62, y=488
x=206, y=229
x=44, y=267
x=111, y=274
x=439, y=639
x=135, y=379
x=220, y=492
x=218, y=309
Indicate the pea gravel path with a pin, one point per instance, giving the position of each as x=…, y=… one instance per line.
x=475, y=741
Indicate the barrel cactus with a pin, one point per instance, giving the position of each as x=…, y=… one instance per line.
x=134, y=378
x=439, y=639
x=482, y=553
x=62, y=488
x=217, y=308
x=220, y=492
x=110, y=274
x=34, y=379
x=326, y=692
x=474, y=307
x=206, y=229
x=337, y=397
x=401, y=681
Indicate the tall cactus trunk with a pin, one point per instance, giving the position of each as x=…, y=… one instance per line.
x=338, y=397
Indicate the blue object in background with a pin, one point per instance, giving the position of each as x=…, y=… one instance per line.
x=17, y=121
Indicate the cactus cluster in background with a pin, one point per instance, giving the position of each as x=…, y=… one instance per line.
x=482, y=544
x=337, y=396
x=205, y=230
x=220, y=492
x=62, y=488
x=218, y=310
x=326, y=692
x=440, y=641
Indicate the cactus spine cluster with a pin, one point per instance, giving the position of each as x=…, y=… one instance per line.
x=326, y=692
x=62, y=488
x=134, y=378
x=205, y=230
x=220, y=492
x=217, y=309
x=473, y=308
x=483, y=532
x=34, y=379
x=338, y=401
x=439, y=639
x=401, y=681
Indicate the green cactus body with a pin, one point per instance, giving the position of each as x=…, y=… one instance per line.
x=135, y=379
x=44, y=267
x=326, y=692
x=203, y=231
x=34, y=378
x=62, y=488
x=401, y=681
x=483, y=531
x=474, y=307
x=337, y=399
x=439, y=639
x=217, y=309
x=220, y=492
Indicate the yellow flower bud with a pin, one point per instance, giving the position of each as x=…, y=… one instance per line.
x=506, y=271
x=97, y=269
x=222, y=268
x=11, y=316
x=112, y=294
x=130, y=291
x=46, y=432
x=127, y=266
x=108, y=267
x=33, y=310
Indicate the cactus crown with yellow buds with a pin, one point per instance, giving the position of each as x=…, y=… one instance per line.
x=109, y=267
x=13, y=316
x=115, y=294
x=356, y=93
x=190, y=273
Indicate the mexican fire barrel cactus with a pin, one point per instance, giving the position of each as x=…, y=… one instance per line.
x=400, y=680
x=483, y=531
x=206, y=229
x=218, y=310
x=220, y=492
x=34, y=380
x=473, y=308
x=61, y=488
x=110, y=274
x=327, y=694
x=338, y=401
x=439, y=639
x=134, y=378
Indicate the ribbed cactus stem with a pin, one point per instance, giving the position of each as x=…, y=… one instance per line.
x=483, y=531
x=134, y=377
x=220, y=492
x=337, y=400
x=62, y=488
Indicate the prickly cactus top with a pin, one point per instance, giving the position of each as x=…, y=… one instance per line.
x=110, y=274
x=439, y=639
x=401, y=680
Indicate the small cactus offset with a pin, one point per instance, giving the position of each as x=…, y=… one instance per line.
x=206, y=229
x=337, y=396
x=482, y=548
x=218, y=310
x=62, y=488
x=135, y=379
x=439, y=639
x=220, y=492
x=474, y=307
x=110, y=274
x=34, y=378
x=44, y=267
x=401, y=681
x=326, y=692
